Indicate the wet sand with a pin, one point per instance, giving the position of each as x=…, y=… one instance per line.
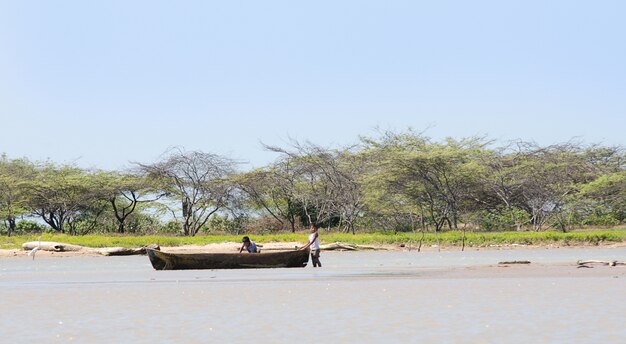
x=363, y=296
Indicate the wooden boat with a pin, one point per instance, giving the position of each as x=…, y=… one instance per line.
x=192, y=261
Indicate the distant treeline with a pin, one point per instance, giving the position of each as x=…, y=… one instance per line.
x=397, y=181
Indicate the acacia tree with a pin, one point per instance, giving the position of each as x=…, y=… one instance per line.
x=437, y=177
x=503, y=182
x=609, y=195
x=387, y=204
x=393, y=200
x=324, y=182
x=598, y=192
x=14, y=175
x=551, y=176
x=199, y=180
x=346, y=171
x=125, y=192
x=271, y=189
x=59, y=195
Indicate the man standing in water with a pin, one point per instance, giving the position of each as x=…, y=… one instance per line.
x=314, y=245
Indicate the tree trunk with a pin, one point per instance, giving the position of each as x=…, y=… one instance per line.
x=518, y=225
x=12, y=227
x=52, y=220
x=292, y=222
x=121, y=214
x=455, y=218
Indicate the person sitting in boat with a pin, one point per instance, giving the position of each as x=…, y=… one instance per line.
x=249, y=245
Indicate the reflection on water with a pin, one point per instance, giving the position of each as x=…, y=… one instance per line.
x=356, y=297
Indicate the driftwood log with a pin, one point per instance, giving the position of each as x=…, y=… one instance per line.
x=120, y=251
x=515, y=262
x=342, y=246
x=51, y=246
x=588, y=263
x=338, y=246
x=61, y=247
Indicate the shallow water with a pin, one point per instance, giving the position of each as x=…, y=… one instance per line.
x=355, y=297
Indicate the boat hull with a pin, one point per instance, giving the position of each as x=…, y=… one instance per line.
x=195, y=261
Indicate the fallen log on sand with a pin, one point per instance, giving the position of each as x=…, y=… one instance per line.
x=342, y=246
x=338, y=246
x=515, y=262
x=50, y=246
x=588, y=263
x=61, y=247
x=120, y=251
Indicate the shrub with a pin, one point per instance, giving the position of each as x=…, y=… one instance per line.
x=604, y=220
x=501, y=220
x=27, y=226
x=172, y=227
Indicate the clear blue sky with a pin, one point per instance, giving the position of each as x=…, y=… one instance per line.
x=101, y=83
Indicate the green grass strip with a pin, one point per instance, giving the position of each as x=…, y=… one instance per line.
x=448, y=238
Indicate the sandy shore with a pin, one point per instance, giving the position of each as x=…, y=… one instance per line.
x=233, y=247
x=227, y=247
x=533, y=270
